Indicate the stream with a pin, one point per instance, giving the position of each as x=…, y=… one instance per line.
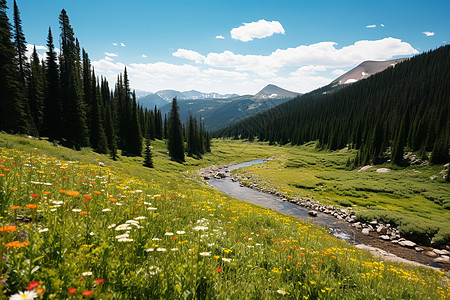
x=339, y=229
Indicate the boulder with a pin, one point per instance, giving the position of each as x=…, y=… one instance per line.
x=385, y=237
x=431, y=254
x=312, y=213
x=443, y=258
x=407, y=243
x=365, y=231
x=419, y=249
x=381, y=229
x=441, y=252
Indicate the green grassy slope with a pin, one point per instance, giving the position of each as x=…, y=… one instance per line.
x=71, y=228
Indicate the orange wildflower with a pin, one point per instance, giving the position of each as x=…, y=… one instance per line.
x=72, y=193
x=1, y=174
x=15, y=207
x=87, y=293
x=47, y=193
x=62, y=191
x=87, y=197
x=112, y=199
x=8, y=228
x=16, y=244
x=31, y=206
x=84, y=212
x=97, y=192
x=72, y=291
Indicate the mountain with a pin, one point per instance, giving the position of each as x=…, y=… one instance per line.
x=365, y=70
x=217, y=110
x=168, y=95
x=193, y=94
x=274, y=92
x=140, y=94
x=151, y=100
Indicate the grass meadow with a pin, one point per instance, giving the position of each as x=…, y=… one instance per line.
x=71, y=229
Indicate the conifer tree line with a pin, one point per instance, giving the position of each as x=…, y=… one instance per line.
x=63, y=99
x=198, y=140
x=405, y=108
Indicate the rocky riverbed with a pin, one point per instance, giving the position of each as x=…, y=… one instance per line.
x=388, y=236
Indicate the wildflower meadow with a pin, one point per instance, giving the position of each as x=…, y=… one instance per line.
x=73, y=230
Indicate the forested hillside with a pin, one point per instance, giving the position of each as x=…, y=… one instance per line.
x=402, y=108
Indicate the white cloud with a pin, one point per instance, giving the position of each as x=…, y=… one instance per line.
x=115, y=44
x=371, y=26
x=299, y=69
x=189, y=54
x=258, y=30
x=319, y=54
x=111, y=54
x=144, y=56
x=122, y=44
x=108, y=58
x=220, y=37
x=428, y=33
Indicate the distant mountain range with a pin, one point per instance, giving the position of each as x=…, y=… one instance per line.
x=161, y=98
x=219, y=111
x=216, y=110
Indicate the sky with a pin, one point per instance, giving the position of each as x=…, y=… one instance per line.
x=238, y=46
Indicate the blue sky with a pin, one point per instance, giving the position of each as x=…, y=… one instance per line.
x=239, y=46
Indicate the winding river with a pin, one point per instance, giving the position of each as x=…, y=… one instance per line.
x=339, y=229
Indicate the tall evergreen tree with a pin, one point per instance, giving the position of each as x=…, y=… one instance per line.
x=76, y=131
x=175, y=142
x=53, y=119
x=148, y=161
x=12, y=106
x=20, y=44
x=97, y=133
x=135, y=129
x=36, y=91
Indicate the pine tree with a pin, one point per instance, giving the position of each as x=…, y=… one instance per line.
x=148, y=161
x=399, y=143
x=175, y=142
x=165, y=127
x=76, y=131
x=12, y=100
x=20, y=44
x=36, y=91
x=53, y=120
x=98, y=137
x=135, y=129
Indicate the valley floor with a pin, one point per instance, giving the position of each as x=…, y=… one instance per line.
x=73, y=228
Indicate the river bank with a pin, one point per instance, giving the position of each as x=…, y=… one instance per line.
x=383, y=239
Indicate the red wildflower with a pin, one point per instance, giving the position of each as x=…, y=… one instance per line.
x=87, y=293
x=32, y=285
x=98, y=281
